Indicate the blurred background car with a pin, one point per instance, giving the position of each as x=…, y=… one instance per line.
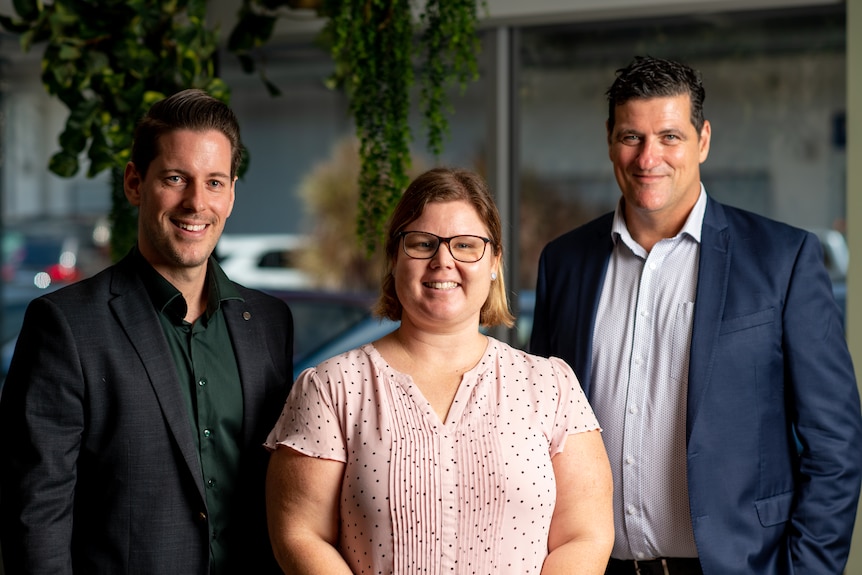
x=370, y=328
x=38, y=261
x=263, y=261
x=40, y=256
x=836, y=257
x=320, y=316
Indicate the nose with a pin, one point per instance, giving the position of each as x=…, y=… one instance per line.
x=443, y=256
x=650, y=154
x=193, y=196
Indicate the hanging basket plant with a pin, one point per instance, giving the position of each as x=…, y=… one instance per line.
x=379, y=48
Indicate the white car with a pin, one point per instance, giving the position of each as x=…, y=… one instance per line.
x=263, y=261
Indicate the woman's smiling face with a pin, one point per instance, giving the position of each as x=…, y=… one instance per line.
x=442, y=293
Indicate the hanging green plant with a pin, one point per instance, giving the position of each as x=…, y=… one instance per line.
x=108, y=61
x=376, y=45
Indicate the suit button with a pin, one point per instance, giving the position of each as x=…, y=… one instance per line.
x=202, y=516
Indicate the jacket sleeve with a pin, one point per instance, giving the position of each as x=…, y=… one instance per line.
x=828, y=424
x=41, y=421
x=539, y=339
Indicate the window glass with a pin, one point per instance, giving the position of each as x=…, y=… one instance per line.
x=775, y=96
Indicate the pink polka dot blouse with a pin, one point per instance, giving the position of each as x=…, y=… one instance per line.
x=471, y=495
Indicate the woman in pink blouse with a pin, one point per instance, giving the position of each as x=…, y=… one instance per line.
x=437, y=449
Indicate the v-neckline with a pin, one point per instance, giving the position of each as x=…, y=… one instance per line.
x=466, y=386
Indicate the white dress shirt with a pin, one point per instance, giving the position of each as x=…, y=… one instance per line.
x=640, y=359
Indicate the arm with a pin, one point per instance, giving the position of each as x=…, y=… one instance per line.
x=42, y=421
x=302, y=500
x=582, y=528
x=827, y=418
x=539, y=340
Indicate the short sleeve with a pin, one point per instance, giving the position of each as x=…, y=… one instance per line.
x=574, y=413
x=309, y=422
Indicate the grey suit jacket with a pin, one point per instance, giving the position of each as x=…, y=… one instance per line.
x=98, y=465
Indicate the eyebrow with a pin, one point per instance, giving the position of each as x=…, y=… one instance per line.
x=180, y=171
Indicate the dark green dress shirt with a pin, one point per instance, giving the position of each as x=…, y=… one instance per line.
x=206, y=366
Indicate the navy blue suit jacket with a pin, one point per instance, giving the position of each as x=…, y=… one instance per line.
x=99, y=472
x=768, y=356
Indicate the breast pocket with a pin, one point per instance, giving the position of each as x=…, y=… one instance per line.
x=750, y=336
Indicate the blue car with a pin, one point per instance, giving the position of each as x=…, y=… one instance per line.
x=371, y=328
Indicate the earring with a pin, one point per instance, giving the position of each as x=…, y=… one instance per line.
x=493, y=276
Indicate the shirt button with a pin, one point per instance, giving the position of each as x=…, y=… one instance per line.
x=202, y=382
x=211, y=482
x=630, y=460
x=630, y=510
x=207, y=432
x=633, y=409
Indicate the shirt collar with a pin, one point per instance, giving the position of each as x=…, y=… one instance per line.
x=167, y=299
x=692, y=227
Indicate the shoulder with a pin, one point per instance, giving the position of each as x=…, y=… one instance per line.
x=745, y=225
x=262, y=301
x=358, y=360
x=598, y=227
x=513, y=361
x=93, y=291
x=259, y=297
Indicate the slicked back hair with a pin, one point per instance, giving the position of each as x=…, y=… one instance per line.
x=191, y=109
x=648, y=77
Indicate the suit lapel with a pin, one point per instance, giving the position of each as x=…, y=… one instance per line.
x=135, y=313
x=713, y=275
x=591, y=278
x=247, y=346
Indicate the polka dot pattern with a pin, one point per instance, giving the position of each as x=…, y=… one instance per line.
x=470, y=495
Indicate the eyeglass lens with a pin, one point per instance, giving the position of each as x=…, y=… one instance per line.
x=423, y=246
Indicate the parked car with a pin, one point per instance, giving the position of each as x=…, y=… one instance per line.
x=38, y=261
x=836, y=257
x=370, y=328
x=320, y=316
x=263, y=261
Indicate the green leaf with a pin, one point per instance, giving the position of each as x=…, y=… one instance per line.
x=64, y=164
x=27, y=9
x=68, y=52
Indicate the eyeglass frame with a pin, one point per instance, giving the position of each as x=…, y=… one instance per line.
x=440, y=240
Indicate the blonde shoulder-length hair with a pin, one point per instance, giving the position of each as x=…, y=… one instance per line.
x=446, y=185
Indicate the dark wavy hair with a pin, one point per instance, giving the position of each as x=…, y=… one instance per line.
x=445, y=185
x=187, y=110
x=649, y=77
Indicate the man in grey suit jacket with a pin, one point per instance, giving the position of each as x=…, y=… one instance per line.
x=137, y=401
x=710, y=346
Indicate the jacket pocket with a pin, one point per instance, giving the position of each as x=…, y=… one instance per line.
x=776, y=509
x=747, y=321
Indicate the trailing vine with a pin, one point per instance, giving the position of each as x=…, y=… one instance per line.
x=375, y=46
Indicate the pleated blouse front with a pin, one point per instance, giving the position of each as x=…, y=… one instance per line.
x=471, y=495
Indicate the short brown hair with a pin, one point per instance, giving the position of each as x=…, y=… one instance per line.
x=446, y=185
x=191, y=109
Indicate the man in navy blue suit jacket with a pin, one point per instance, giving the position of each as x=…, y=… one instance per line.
x=713, y=353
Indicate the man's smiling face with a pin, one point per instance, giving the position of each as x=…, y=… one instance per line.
x=184, y=199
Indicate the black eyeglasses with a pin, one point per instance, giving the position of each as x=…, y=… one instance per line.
x=423, y=246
